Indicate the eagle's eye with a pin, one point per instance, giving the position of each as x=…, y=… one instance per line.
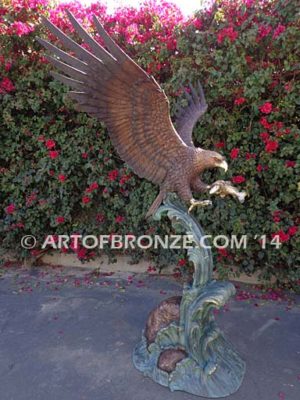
x=218, y=159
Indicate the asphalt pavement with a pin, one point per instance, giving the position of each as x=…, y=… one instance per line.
x=69, y=336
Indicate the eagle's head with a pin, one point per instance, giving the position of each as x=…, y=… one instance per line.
x=207, y=159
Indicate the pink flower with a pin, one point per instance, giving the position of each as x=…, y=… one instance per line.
x=7, y=66
x=112, y=175
x=50, y=144
x=182, y=262
x=10, y=209
x=60, y=220
x=266, y=108
x=263, y=31
x=229, y=33
x=34, y=253
x=81, y=253
x=41, y=138
x=30, y=199
x=53, y=154
x=220, y=145
x=293, y=230
x=93, y=186
x=276, y=216
x=119, y=219
x=124, y=179
x=264, y=122
x=282, y=236
x=238, y=179
x=273, y=84
x=84, y=155
x=171, y=44
x=264, y=136
x=239, y=101
x=288, y=86
x=290, y=164
x=100, y=218
x=223, y=253
x=259, y=168
x=278, y=31
x=278, y=124
x=234, y=153
x=197, y=23
x=20, y=28
x=6, y=85
x=250, y=155
x=62, y=177
x=86, y=199
x=271, y=146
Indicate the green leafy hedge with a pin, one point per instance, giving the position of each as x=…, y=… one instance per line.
x=60, y=174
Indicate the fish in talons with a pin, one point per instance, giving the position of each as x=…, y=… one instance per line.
x=225, y=188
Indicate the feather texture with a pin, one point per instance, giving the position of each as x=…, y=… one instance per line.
x=187, y=117
x=109, y=85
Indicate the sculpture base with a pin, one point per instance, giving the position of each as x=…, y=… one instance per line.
x=166, y=360
x=182, y=347
x=189, y=377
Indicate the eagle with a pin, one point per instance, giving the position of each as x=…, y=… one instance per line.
x=109, y=85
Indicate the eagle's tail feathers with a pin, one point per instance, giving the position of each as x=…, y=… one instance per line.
x=157, y=202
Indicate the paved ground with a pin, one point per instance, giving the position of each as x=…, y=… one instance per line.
x=66, y=337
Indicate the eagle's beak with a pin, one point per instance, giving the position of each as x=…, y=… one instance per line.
x=223, y=165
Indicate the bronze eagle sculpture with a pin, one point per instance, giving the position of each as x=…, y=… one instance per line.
x=110, y=86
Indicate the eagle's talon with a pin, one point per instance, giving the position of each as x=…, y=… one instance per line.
x=199, y=203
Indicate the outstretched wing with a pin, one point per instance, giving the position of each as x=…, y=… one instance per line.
x=109, y=85
x=187, y=117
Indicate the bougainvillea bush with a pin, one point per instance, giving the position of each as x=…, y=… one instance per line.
x=60, y=174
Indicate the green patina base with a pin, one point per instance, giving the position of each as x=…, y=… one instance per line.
x=212, y=367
